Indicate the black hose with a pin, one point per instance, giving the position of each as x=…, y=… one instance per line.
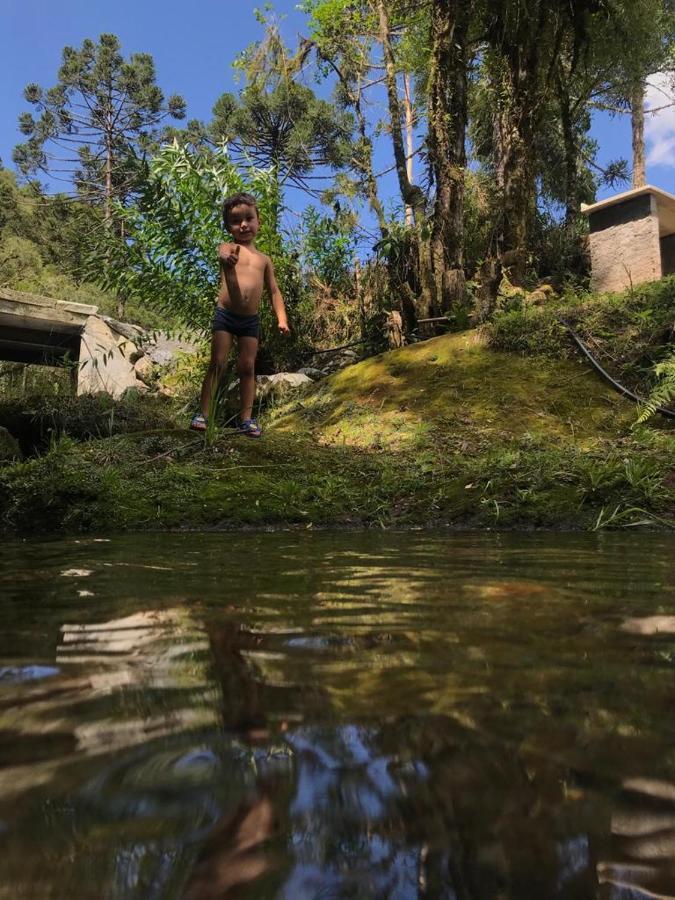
x=669, y=413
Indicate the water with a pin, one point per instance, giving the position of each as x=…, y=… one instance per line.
x=338, y=716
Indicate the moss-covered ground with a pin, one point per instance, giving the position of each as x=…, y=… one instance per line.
x=446, y=432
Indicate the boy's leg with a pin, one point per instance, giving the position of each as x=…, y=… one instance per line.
x=221, y=344
x=248, y=350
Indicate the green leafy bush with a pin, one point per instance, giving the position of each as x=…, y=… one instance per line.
x=328, y=246
x=629, y=333
x=664, y=392
x=168, y=259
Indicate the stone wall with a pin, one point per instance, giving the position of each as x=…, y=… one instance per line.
x=624, y=243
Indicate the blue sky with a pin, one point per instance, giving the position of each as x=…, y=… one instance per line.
x=193, y=45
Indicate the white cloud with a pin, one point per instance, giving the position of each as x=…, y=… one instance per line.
x=660, y=126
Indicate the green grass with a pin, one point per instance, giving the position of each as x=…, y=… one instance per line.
x=452, y=431
x=629, y=332
x=445, y=432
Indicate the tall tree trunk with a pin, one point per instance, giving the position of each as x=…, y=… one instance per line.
x=519, y=200
x=515, y=83
x=572, y=199
x=638, y=127
x=108, y=190
x=364, y=160
x=407, y=103
x=121, y=296
x=366, y=165
x=411, y=194
x=107, y=202
x=447, y=145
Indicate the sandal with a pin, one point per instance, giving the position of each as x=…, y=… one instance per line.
x=250, y=428
x=199, y=422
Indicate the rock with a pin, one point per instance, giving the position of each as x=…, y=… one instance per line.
x=275, y=385
x=536, y=298
x=162, y=358
x=508, y=290
x=144, y=370
x=312, y=373
x=105, y=360
x=289, y=380
x=9, y=446
x=131, y=332
x=543, y=293
x=135, y=391
x=163, y=349
x=340, y=360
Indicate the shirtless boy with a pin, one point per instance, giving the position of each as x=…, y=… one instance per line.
x=244, y=271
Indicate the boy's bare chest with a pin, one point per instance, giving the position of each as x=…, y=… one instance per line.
x=250, y=265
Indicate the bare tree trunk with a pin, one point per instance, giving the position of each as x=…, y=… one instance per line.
x=411, y=194
x=572, y=199
x=638, y=128
x=407, y=102
x=108, y=189
x=107, y=199
x=121, y=297
x=364, y=160
x=107, y=205
x=519, y=203
x=366, y=166
x=447, y=145
x=514, y=85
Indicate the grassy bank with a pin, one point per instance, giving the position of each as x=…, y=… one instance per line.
x=454, y=431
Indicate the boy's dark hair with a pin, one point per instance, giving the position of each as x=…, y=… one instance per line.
x=237, y=200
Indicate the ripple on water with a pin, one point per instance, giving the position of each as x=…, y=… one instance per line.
x=345, y=715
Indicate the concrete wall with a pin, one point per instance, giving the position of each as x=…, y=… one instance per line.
x=105, y=363
x=624, y=243
x=668, y=254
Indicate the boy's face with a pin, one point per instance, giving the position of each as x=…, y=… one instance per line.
x=243, y=223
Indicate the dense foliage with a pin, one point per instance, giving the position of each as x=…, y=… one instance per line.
x=483, y=111
x=168, y=258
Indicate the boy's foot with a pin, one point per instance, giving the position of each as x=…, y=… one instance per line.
x=250, y=428
x=199, y=422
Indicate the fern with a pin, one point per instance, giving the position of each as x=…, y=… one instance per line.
x=664, y=391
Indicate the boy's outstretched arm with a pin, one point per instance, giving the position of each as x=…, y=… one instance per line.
x=276, y=298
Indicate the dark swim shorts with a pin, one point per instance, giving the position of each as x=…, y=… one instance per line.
x=239, y=326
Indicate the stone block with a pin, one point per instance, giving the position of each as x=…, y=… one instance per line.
x=144, y=369
x=84, y=309
x=105, y=360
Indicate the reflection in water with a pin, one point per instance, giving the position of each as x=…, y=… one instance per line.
x=396, y=717
x=643, y=840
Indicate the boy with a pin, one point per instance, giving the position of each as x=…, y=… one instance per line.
x=244, y=271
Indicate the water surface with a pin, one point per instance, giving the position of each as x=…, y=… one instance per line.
x=338, y=716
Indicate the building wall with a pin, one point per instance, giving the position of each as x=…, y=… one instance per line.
x=668, y=255
x=624, y=243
